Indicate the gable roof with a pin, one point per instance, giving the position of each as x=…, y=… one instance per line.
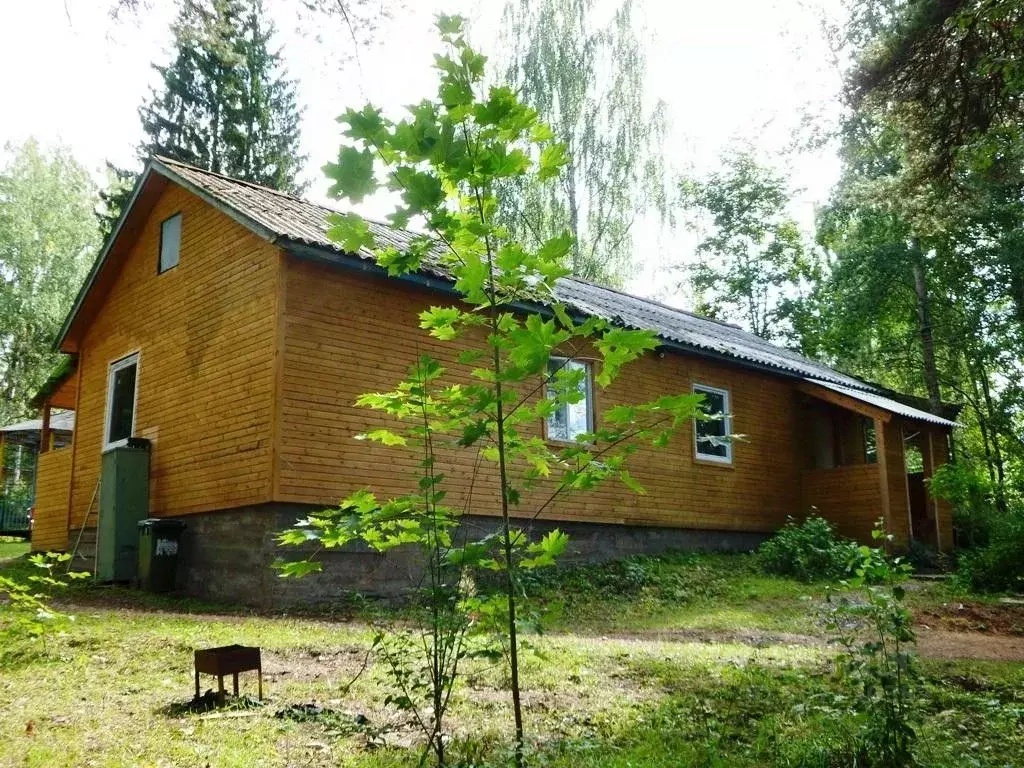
x=293, y=223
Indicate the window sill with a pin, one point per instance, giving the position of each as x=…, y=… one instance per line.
x=713, y=463
x=553, y=443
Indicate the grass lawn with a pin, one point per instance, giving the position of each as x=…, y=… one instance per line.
x=679, y=661
x=11, y=548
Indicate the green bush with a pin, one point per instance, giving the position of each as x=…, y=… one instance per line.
x=968, y=489
x=999, y=566
x=807, y=551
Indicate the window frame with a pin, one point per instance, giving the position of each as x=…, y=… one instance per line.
x=727, y=459
x=588, y=366
x=160, y=250
x=133, y=358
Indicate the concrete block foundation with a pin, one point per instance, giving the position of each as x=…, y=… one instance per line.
x=226, y=556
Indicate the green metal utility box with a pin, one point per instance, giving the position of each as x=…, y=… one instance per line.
x=158, y=553
x=124, y=501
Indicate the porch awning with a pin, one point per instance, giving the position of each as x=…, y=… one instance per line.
x=876, y=402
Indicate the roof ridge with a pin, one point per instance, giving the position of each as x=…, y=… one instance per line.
x=280, y=193
x=262, y=187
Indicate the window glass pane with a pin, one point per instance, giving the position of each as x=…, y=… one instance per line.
x=122, y=403
x=170, y=242
x=570, y=419
x=708, y=431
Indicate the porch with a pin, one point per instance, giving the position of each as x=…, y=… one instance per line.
x=57, y=401
x=868, y=457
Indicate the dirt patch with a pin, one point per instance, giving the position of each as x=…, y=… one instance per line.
x=753, y=638
x=996, y=619
x=945, y=644
x=311, y=664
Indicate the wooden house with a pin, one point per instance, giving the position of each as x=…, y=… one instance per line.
x=220, y=324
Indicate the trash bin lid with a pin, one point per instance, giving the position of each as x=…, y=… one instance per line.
x=160, y=522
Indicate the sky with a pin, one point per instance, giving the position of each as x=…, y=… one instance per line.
x=728, y=71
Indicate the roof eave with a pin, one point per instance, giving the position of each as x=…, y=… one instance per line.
x=153, y=165
x=101, y=259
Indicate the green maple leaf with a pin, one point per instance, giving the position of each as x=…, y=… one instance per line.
x=350, y=231
x=352, y=174
x=552, y=159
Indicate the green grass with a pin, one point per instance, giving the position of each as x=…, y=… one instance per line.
x=11, y=548
x=674, y=661
x=724, y=593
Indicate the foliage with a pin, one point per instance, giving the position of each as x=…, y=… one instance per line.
x=27, y=616
x=752, y=262
x=674, y=578
x=446, y=162
x=807, y=550
x=587, y=82
x=224, y=102
x=47, y=240
x=969, y=491
x=874, y=627
x=999, y=565
x=322, y=20
x=951, y=71
x=923, y=292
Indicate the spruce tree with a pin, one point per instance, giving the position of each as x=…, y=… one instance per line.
x=224, y=104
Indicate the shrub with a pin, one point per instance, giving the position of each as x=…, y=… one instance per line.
x=998, y=567
x=878, y=662
x=807, y=551
x=968, y=489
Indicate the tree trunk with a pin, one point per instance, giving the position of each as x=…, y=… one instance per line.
x=997, y=451
x=574, y=223
x=924, y=327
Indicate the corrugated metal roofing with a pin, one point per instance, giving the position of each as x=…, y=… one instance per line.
x=299, y=221
x=692, y=330
x=60, y=421
x=885, y=403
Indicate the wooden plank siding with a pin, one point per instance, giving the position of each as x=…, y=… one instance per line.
x=346, y=333
x=251, y=359
x=66, y=395
x=850, y=497
x=937, y=445
x=53, y=484
x=205, y=334
x=895, y=480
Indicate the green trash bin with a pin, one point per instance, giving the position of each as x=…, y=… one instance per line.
x=158, y=553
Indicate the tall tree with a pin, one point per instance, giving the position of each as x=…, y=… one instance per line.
x=752, y=262
x=224, y=103
x=587, y=83
x=924, y=291
x=48, y=236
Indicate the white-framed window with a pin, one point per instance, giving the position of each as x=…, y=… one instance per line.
x=170, y=243
x=122, y=395
x=571, y=419
x=711, y=436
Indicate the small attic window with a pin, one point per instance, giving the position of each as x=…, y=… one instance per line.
x=170, y=243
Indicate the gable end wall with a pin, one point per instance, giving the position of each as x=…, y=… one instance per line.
x=205, y=331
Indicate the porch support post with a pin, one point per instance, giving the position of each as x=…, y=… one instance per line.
x=44, y=438
x=883, y=473
x=938, y=454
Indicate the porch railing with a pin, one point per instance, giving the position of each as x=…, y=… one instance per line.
x=14, y=515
